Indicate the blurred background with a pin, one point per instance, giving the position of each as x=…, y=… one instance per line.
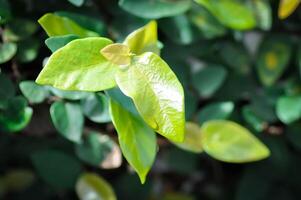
x=236, y=59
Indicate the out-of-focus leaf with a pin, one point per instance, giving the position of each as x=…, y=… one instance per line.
x=5, y=12
x=118, y=54
x=253, y=119
x=90, y=186
x=69, y=95
x=27, y=50
x=68, y=119
x=58, y=169
x=192, y=141
x=79, y=66
x=177, y=196
x=33, y=92
x=287, y=7
x=97, y=148
x=190, y=104
x=144, y=39
x=273, y=58
x=263, y=13
x=18, y=180
x=56, y=42
x=161, y=104
x=232, y=13
x=136, y=139
x=96, y=108
x=206, y=22
x=77, y=2
x=16, y=115
x=55, y=25
x=7, y=51
x=230, y=142
x=7, y=90
x=154, y=9
x=209, y=79
x=288, y=108
x=19, y=29
x=214, y=111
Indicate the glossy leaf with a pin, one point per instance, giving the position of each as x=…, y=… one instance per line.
x=56, y=42
x=96, y=108
x=77, y=2
x=230, y=142
x=90, y=186
x=214, y=111
x=154, y=9
x=7, y=51
x=288, y=108
x=33, y=92
x=118, y=54
x=273, y=58
x=287, y=7
x=137, y=141
x=55, y=25
x=161, y=104
x=192, y=141
x=209, y=79
x=232, y=13
x=144, y=39
x=68, y=120
x=56, y=168
x=79, y=66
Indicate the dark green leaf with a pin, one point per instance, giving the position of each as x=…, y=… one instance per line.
x=33, y=92
x=5, y=12
x=221, y=110
x=27, y=50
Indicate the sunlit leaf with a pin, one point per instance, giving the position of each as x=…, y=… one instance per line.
x=118, y=54
x=287, y=7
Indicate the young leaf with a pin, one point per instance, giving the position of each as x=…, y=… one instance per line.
x=136, y=139
x=144, y=39
x=91, y=186
x=154, y=9
x=288, y=108
x=230, y=142
x=192, y=141
x=232, y=13
x=33, y=92
x=118, y=54
x=56, y=42
x=7, y=51
x=287, y=7
x=55, y=25
x=68, y=120
x=79, y=66
x=157, y=94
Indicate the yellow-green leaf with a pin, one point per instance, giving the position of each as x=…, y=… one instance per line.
x=287, y=7
x=79, y=66
x=144, y=39
x=118, y=54
x=157, y=93
x=230, y=142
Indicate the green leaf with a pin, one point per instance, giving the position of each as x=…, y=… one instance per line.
x=96, y=108
x=288, y=108
x=55, y=25
x=232, y=13
x=79, y=66
x=33, y=92
x=287, y=7
x=77, y=2
x=7, y=51
x=263, y=13
x=209, y=79
x=230, y=142
x=154, y=9
x=5, y=12
x=27, y=50
x=56, y=42
x=68, y=120
x=56, y=168
x=91, y=186
x=161, y=104
x=144, y=39
x=253, y=119
x=7, y=90
x=221, y=110
x=16, y=115
x=69, y=95
x=273, y=58
x=99, y=150
x=192, y=141
x=136, y=139
x=118, y=54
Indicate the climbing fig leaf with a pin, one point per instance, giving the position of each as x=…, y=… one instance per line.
x=157, y=94
x=230, y=142
x=137, y=140
x=55, y=25
x=144, y=39
x=79, y=66
x=287, y=7
x=118, y=54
